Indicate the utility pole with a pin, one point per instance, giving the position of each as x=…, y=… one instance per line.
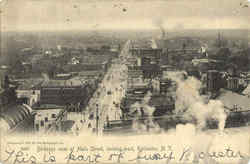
x=97, y=119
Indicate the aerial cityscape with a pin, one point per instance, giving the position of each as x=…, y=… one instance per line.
x=123, y=81
x=116, y=86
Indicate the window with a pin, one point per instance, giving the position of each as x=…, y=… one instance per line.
x=46, y=119
x=53, y=115
x=42, y=123
x=49, y=126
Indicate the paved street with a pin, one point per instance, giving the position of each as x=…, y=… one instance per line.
x=107, y=97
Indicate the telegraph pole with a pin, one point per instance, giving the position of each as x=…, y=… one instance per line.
x=97, y=119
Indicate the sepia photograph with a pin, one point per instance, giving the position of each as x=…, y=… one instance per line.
x=125, y=81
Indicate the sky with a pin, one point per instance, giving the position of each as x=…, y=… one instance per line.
x=123, y=14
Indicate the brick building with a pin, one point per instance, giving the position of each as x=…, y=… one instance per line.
x=66, y=92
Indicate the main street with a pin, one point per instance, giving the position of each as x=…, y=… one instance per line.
x=106, y=100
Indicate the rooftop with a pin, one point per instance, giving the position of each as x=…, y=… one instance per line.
x=47, y=106
x=95, y=59
x=90, y=73
x=230, y=99
x=75, y=81
x=156, y=100
x=26, y=84
x=204, y=60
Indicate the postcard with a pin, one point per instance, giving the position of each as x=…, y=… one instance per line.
x=125, y=81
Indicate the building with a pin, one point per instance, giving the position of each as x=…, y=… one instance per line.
x=233, y=83
x=138, y=91
x=145, y=72
x=28, y=91
x=167, y=68
x=213, y=80
x=36, y=58
x=246, y=91
x=47, y=116
x=165, y=84
x=66, y=92
x=137, y=86
x=16, y=119
x=234, y=101
x=147, y=59
x=146, y=52
x=115, y=48
x=63, y=95
x=163, y=105
x=135, y=75
x=237, y=107
x=132, y=62
x=196, y=62
x=91, y=74
x=155, y=86
x=89, y=65
x=232, y=70
x=63, y=76
x=29, y=97
x=147, y=56
x=151, y=71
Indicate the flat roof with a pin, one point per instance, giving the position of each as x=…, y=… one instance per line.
x=72, y=82
x=47, y=106
x=27, y=84
x=230, y=99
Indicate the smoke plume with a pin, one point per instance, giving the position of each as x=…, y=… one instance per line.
x=191, y=103
x=143, y=109
x=159, y=23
